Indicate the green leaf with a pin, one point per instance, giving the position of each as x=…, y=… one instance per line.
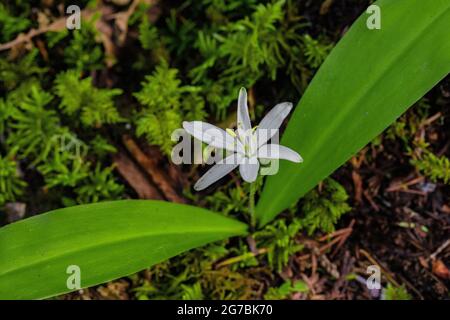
x=106, y=240
x=369, y=80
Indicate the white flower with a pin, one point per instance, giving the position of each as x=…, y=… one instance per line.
x=247, y=144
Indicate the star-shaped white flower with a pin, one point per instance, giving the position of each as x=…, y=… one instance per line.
x=248, y=145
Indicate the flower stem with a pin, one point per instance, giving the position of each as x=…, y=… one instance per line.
x=251, y=205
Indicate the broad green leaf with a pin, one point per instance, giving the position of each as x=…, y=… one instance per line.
x=366, y=83
x=106, y=240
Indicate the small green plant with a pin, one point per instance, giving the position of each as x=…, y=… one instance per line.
x=279, y=240
x=193, y=292
x=285, y=290
x=241, y=52
x=426, y=162
x=148, y=35
x=84, y=51
x=63, y=169
x=15, y=73
x=100, y=185
x=11, y=24
x=6, y=110
x=33, y=124
x=396, y=293
x=79, y=98
x=161, y=96
x=322, y=209
x=11, y=185
x=315, y=52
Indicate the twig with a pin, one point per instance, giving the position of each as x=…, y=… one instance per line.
x=344, y=237
x=431, y=119
x=335, y=234
x=329, y=244
x=241, y=257
x=55, y=26
x=441, y=248
x=371, y=202
x=149, y=165
x=375, y=262
x=339, y=237
x=388, y=275
x=401, y=186
x=135, y=177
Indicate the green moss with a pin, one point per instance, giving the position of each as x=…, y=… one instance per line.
x=80, y=99
x=396, y=293
x=11, y=24
x=166, y=103
x=278, y=239
x=285, y=290
x=11, y=185
x=436, y=168
x=322, y=207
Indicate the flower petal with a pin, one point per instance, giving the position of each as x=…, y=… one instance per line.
x=212, y=135
x=218, y=171
x=243, y=118
x=249, y=169
x=272, y=122
x=276, y=151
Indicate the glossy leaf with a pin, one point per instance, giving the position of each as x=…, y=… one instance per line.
x=106, y=240
x=366, y=83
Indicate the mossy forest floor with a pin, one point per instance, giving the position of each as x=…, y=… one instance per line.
x=86, y=116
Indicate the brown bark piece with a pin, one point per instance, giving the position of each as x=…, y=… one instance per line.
x=135, y=178
x=150, y=166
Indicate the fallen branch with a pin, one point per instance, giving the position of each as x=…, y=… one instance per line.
x=55, y=26
x=150, y=166
x=440, y=249
x=137, y=180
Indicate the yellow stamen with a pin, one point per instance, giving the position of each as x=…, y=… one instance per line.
x=231, y=132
